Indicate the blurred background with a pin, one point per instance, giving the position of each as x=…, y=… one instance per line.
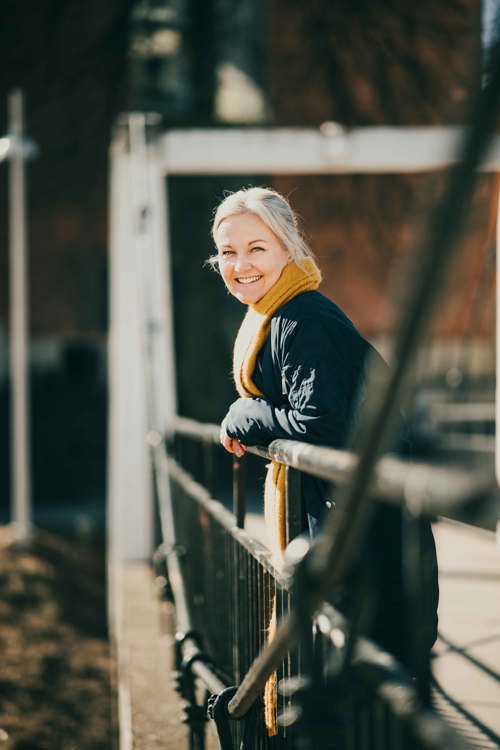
x=221, y=63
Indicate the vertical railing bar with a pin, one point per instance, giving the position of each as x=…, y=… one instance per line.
x=351, y=738
x=240, y=610
x=250, y=609
x=230, y=624
x=241, y=625
x=234, y=567
x=247, y=578
x=242, y=613
x=239, y=494
x=255, y=604
x=221, y=632
x=397, y=737
x=279, y=667
x=208, y=461
x=242, y=584
x=212, y=581
x=262, y=634
x=294, y=510
x=261, y=616
x=414, y=570
x=285, y=667
x=380, y=742
x=364, y=728
x=249, y=587
x=252, y=594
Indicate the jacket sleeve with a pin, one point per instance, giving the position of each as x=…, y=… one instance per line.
x=320, y=375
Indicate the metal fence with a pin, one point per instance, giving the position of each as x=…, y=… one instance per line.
x=334, y=689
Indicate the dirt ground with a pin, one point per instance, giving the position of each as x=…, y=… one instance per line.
x=56, y=686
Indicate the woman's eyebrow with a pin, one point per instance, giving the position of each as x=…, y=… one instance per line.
x=250, y=242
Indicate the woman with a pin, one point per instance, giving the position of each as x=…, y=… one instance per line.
x=298, y=360
x=299, y=371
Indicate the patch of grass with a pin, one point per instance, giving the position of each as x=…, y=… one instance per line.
x=56, y=668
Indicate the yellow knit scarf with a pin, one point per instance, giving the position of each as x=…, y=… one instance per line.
x=249, y=341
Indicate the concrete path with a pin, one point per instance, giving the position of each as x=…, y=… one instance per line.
x=466, y=661
x=150, y=709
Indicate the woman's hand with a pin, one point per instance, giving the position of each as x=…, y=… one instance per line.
x=231, y=444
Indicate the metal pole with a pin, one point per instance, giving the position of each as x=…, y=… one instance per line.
x=21, y=490
x=239, y=494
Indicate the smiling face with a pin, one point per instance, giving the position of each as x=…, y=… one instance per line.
x=251, y=257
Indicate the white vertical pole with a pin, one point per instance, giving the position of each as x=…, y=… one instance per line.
x=141, y=363
x=130, y=523
x=21, y=490
x=151, y=212
x=163, y=376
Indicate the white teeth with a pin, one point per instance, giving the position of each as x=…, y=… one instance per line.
x=248, y=280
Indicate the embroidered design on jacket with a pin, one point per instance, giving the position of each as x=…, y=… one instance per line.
x=300, y=395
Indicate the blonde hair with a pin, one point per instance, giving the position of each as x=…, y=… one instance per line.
x=273, y=210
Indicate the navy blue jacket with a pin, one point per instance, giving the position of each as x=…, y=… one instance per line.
x=311, y=372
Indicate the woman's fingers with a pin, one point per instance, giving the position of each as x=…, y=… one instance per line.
x=225, y=440
x=232, y=445
x=238, y=448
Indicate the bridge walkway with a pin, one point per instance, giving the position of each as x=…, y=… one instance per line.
x=466, y=656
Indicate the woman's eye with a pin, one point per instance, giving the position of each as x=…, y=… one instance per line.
x=227, y=253
x=257, y=248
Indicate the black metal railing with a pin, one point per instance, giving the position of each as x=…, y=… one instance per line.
x=338, y=686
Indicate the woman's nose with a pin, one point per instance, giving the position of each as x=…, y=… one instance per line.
x=241, y=263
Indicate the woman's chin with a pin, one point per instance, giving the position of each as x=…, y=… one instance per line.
x=247, y=296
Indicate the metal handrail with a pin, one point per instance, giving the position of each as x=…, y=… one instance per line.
x=424, y=488
x=382, y=671
x=375, y=666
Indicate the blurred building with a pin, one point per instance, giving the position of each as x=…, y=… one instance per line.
x=70, y=61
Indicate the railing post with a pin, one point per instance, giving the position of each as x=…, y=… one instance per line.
x=195, y=715
x=415, y=565
x=294, y=510
x=208, y=465
x=239, y=499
